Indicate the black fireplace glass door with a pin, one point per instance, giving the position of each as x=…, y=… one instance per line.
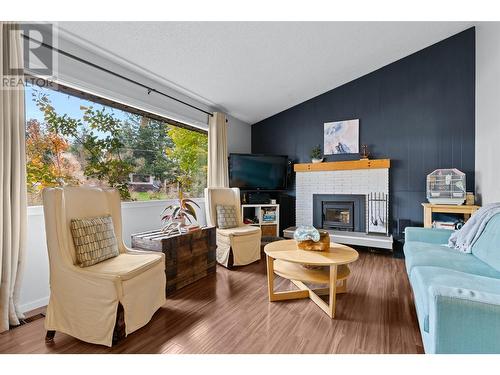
x=338, y=215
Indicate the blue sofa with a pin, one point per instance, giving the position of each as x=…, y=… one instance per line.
x=457, y=296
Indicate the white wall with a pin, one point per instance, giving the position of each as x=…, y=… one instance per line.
x=137, y=217
x=488, y=111
x=239, y=136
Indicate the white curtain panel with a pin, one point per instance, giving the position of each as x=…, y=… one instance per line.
x=217, y=151
x=12, y=179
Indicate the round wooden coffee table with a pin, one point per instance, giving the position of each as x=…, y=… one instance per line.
x=286, y=260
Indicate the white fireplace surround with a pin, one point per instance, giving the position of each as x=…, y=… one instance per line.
x=356, y=181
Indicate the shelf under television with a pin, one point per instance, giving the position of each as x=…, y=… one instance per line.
x=269, y=228
x=266, y=205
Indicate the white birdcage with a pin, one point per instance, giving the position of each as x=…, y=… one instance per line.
x=446, y=186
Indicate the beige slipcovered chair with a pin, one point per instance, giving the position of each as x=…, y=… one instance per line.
x=84, y=301
x=235, y=246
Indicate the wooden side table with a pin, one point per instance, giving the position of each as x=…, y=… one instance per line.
x=286, y=260
x=188, y=256
x=430, y=208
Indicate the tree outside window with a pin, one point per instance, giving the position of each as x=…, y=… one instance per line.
x=71, y=141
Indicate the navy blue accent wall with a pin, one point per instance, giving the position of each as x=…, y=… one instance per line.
x=418, y=111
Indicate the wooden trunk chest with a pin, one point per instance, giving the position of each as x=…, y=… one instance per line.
x=188, y=257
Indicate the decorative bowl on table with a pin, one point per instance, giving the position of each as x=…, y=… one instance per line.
x=311, y=239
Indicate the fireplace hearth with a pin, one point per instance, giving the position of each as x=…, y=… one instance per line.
x=345, y=212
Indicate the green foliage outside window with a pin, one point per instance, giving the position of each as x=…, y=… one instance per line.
x=103, y=149
x=189, y=151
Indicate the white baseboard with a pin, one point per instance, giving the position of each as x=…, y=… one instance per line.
x=34, y=304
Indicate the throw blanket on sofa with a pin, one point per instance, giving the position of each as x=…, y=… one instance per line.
x=464, y=239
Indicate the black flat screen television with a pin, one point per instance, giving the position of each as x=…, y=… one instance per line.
x=258, y=172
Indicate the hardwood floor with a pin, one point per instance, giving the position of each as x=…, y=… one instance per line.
x=229, y=313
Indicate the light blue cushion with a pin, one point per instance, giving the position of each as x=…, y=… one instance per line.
x=429, y=235
x=427, y=254
x=422, y=278
x=478, y=321
x=487, y=247
x=470, y=299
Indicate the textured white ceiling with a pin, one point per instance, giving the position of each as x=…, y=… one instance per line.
x=254, y=70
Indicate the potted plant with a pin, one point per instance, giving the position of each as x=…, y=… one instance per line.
x=316, y=154
x=177, y=214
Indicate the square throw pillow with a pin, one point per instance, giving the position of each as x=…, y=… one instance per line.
x=94, y=240
x=226, y=217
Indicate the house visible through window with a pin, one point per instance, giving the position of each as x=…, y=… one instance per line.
x=75, y=141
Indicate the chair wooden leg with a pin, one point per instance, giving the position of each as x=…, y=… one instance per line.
x=49, y=337
x=119, y=330
x=230, y=261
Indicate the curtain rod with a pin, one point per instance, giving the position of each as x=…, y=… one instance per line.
x=79, y=59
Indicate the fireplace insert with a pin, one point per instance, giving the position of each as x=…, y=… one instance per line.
x=339, y=212
x=338, y=215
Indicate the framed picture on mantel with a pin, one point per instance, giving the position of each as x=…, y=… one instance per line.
x=341, y=137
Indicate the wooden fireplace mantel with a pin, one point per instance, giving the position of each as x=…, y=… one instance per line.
x=342, y=165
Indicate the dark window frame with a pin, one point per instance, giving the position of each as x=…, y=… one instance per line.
x=108, y=102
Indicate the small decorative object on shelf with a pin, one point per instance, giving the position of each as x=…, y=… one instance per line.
x=451, y=225
x=316, y=154
x=253, y=220
x=470, y=200
x=268, y=215
x=365, y=154
x=309, y=238
x=175, y=221
x=443, y=225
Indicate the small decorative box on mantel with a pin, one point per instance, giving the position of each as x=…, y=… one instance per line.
x=188, y=256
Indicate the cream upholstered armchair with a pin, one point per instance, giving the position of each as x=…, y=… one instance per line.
x=84, y=301
x=235, y=246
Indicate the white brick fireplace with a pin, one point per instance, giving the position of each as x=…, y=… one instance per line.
x=355, y=181
x=319, y=187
